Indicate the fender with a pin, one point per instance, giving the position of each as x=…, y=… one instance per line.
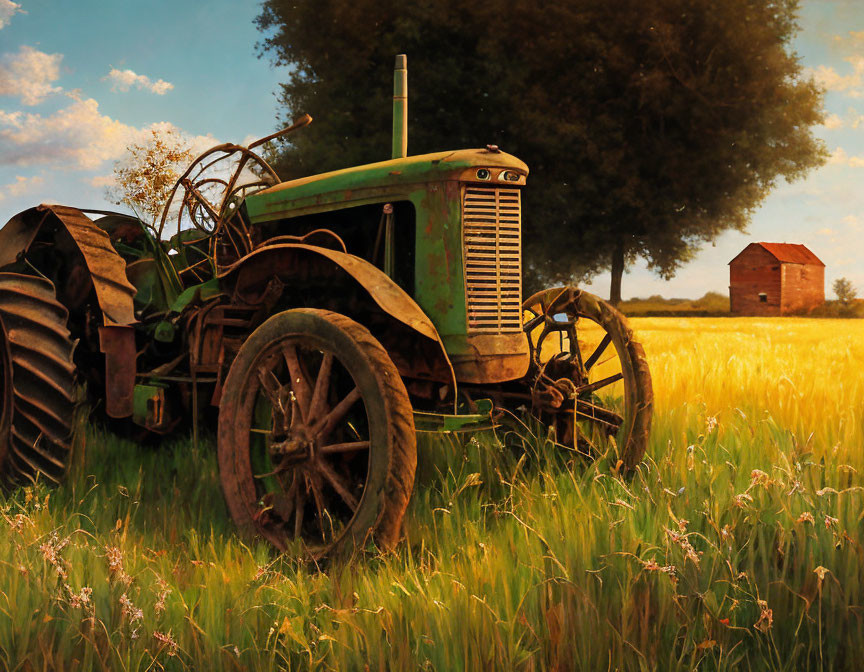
x=107, y=271
x=249, y=276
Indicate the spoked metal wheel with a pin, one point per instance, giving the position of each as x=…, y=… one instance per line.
x=316, y=435
x=589, y=379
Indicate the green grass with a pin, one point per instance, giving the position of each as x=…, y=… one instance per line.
x=712, y=303
x=738, y=545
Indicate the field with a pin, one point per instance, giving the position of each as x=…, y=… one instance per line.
x=738, y=545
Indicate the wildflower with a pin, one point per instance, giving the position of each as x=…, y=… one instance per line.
x=164, y=592
x=766, y=617
x=726, y=533
x=18, y=522
x=796, y=487
x=166, y=639
x=821, y=571
x=50, y=550
x=682, y=524
x=652, y=566
x=710, y=424
x=806, y=517
x=685, y=545
x=830, y=521
x=81, y=598
x=115, y=564
x=759, y=477
x=115, y=559
x=741, y=500
x=129, y=611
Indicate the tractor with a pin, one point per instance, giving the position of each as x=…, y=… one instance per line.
x=325, y=319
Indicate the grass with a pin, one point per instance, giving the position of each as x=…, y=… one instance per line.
x=738, y=545
x=712, y=304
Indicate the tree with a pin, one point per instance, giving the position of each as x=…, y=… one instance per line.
x=649, y=128
x=845, y=291
x=145, y=177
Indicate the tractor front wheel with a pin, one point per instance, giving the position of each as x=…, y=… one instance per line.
x=316, y=436
x=589, y=378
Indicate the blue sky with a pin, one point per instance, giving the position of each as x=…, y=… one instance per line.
x=81, y=80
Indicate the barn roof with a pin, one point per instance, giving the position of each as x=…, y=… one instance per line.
x=788, y=253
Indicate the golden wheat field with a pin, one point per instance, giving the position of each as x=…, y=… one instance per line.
x=738, y=544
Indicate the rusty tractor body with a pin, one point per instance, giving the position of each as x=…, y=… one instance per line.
x=326, y=320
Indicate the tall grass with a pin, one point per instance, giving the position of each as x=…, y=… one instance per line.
x=737, y=545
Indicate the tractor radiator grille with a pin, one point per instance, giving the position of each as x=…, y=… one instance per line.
x=491, y=224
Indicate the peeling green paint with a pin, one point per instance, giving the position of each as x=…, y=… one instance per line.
x=433, y=183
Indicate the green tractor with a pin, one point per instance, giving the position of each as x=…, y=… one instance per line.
x=327, y=319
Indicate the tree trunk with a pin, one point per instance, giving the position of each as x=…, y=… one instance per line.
x=617, y=272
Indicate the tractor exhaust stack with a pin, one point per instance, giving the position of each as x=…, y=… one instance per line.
x=400, y=108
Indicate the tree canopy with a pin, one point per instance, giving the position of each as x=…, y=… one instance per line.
x=649, y=128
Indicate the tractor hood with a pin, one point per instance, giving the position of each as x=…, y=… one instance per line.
x=435, y=167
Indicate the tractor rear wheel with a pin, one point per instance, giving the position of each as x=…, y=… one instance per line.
x=316, y=436
x=37, y=393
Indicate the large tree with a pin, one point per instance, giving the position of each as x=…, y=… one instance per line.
x=649, y=127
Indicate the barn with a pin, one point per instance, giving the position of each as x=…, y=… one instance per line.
x=775, y=279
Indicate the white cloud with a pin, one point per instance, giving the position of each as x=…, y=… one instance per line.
x=21, y=186
x=28, y=74
x=832, y=80
x=77, y=136
x=102, y=181
x=853, y=222
x=833, y=122
x=826, y=232
x=839, y=157
x=123, y=80
x=7, y=10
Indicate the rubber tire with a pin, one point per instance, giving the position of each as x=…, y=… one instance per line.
x=393, y=450
x=39, y=381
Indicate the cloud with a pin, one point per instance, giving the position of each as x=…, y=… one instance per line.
x=102, y=181
x=851, y=81
x=853, y=222
x=7, y=10
x=832, y=80
x=839, y=157
x=21, y=186
x=28, y=74
x=123, y=80
x=76, y=136
x=833, y=122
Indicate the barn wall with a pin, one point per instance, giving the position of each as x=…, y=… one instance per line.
x=753, y=271
x=803, y=287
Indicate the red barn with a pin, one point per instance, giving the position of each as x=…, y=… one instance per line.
x=775, y=279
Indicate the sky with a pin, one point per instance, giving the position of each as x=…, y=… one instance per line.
x=80, y=81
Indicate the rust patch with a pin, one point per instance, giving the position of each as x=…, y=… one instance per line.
x=118, y=344
x=114, y=292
